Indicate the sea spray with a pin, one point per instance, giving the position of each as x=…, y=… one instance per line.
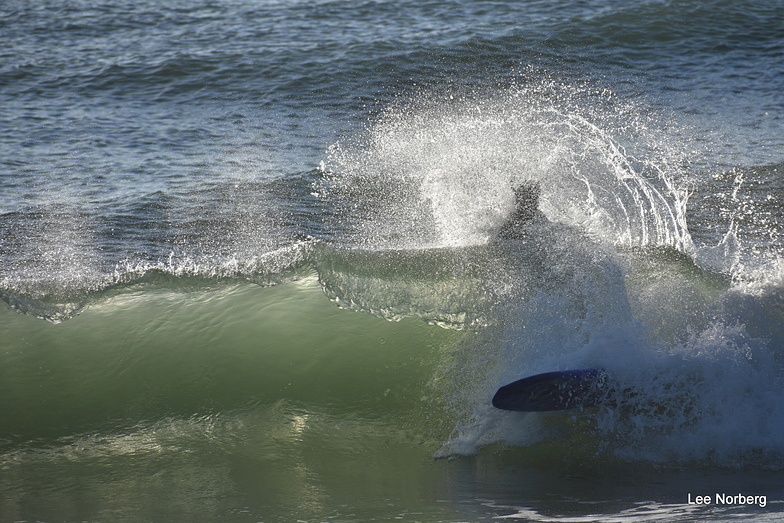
x=695, y=365
x=442, y=171
x=50, y=297
x=179, y=142
x=609, y=280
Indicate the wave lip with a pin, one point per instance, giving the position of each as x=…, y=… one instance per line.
x=59, y=296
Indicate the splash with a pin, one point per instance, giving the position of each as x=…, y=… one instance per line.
x=694, y=360
x=442, y=171
x=57, y=257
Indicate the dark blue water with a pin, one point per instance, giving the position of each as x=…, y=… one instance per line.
x=250, y=267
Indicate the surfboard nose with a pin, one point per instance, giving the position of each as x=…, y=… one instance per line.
x=560, y=390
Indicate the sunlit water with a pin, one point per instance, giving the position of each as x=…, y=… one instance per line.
x=251, y=271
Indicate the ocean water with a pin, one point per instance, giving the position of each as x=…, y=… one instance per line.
x=250, y=267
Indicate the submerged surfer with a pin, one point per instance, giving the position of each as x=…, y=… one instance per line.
x=526, y=210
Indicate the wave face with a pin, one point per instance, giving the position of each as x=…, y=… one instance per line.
x=246, y=386
x=252, y=265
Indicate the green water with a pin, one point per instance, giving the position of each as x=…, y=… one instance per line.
x=146, y=354
x=237, y=401
x=353, y=393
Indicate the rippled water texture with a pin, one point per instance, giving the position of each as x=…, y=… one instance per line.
x=251, y=268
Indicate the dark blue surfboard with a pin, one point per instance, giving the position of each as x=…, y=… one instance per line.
x=560, y=390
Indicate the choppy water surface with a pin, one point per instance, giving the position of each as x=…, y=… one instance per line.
x=251, y=271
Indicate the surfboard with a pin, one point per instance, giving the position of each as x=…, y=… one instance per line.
x=559, y=390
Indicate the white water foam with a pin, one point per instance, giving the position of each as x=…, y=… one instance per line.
x=693, y=353
x=697, y=373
